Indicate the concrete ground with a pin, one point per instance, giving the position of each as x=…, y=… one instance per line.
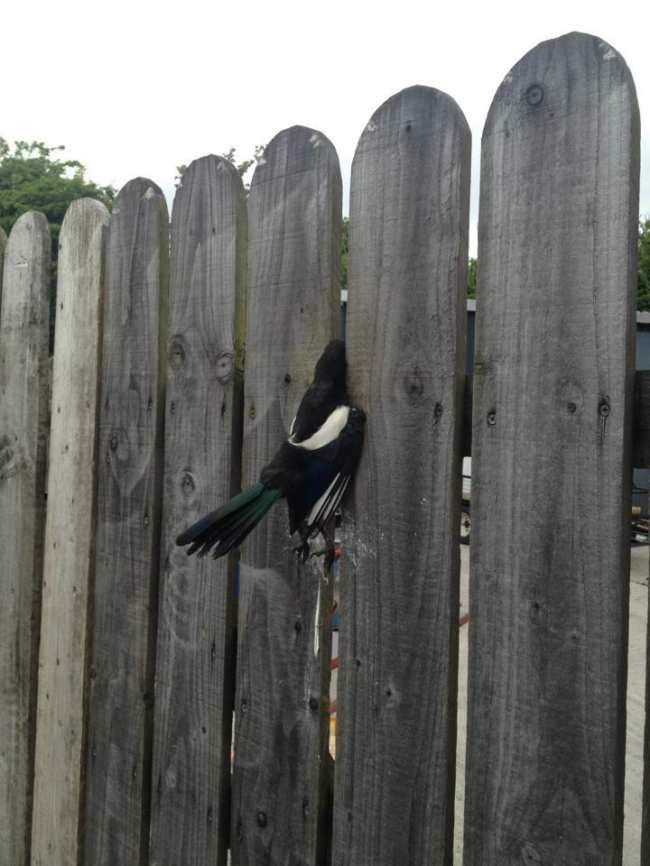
x=635, y=707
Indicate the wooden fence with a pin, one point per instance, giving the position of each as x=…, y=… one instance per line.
x=156, y=710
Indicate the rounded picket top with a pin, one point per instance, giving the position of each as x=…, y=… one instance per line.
x=84, y=220
x=295, y=200
x=29, y=241
x=31, y=221
x=568, y=74
x=299, y=148
x=413, y=114
x=203, y=173
x=135, y=190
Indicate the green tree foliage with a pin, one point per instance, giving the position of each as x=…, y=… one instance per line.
x=471, y=279
x=345, y=248
x=34, y=177
x=643, y=293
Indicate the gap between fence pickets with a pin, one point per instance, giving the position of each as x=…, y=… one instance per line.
x=640, y=419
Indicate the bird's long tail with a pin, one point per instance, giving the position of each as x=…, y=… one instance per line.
x=229, y=525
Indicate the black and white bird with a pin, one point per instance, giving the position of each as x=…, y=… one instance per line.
x=312, y=468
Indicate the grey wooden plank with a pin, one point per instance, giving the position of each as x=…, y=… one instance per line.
x=280, y=768
x=553, y=384
x=394, y=794
x=69, y=539
x=24, y=417
x=640, y=428
x=129, y=469
x=193, y=697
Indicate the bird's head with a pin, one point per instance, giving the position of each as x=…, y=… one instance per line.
x=357, y=416
x=332, y=365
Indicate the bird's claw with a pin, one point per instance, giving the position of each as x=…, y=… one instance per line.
x=328, y=553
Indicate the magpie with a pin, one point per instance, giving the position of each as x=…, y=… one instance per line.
x=312, y=469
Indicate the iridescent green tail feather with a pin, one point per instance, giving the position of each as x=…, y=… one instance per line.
x=229, y=525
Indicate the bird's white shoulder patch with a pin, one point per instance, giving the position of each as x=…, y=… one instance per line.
x=327, y=432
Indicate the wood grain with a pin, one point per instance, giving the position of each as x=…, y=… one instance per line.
x=281, y=759
x=69, y=539
x=394, y=795
x=195, y=656
x=553, y=384
x=129, y=468
x=640, y=427
x=24, y=416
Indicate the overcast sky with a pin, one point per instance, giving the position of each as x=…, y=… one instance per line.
x=137, y=88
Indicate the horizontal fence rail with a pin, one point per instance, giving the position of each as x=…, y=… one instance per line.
x=160, y=710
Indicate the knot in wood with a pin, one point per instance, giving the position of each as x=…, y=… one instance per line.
x=177, y=352
x=119, y=445
x=6, y=457
x=535, y=95
x=225, y=365
x=188, y=484
x=414, y=385
x=262, y=819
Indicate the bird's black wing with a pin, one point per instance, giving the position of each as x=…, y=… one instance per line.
x=327, y=391
x=325, y=478
x=318, y=403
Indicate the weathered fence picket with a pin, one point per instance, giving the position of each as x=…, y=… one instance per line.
x=551, y=460
x=129, y=467
x=24, y=419
x=195, y=656
x=396, y=749
x=69, y=539
x=281, y=761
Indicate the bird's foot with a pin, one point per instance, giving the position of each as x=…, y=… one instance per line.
x=330, y=555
